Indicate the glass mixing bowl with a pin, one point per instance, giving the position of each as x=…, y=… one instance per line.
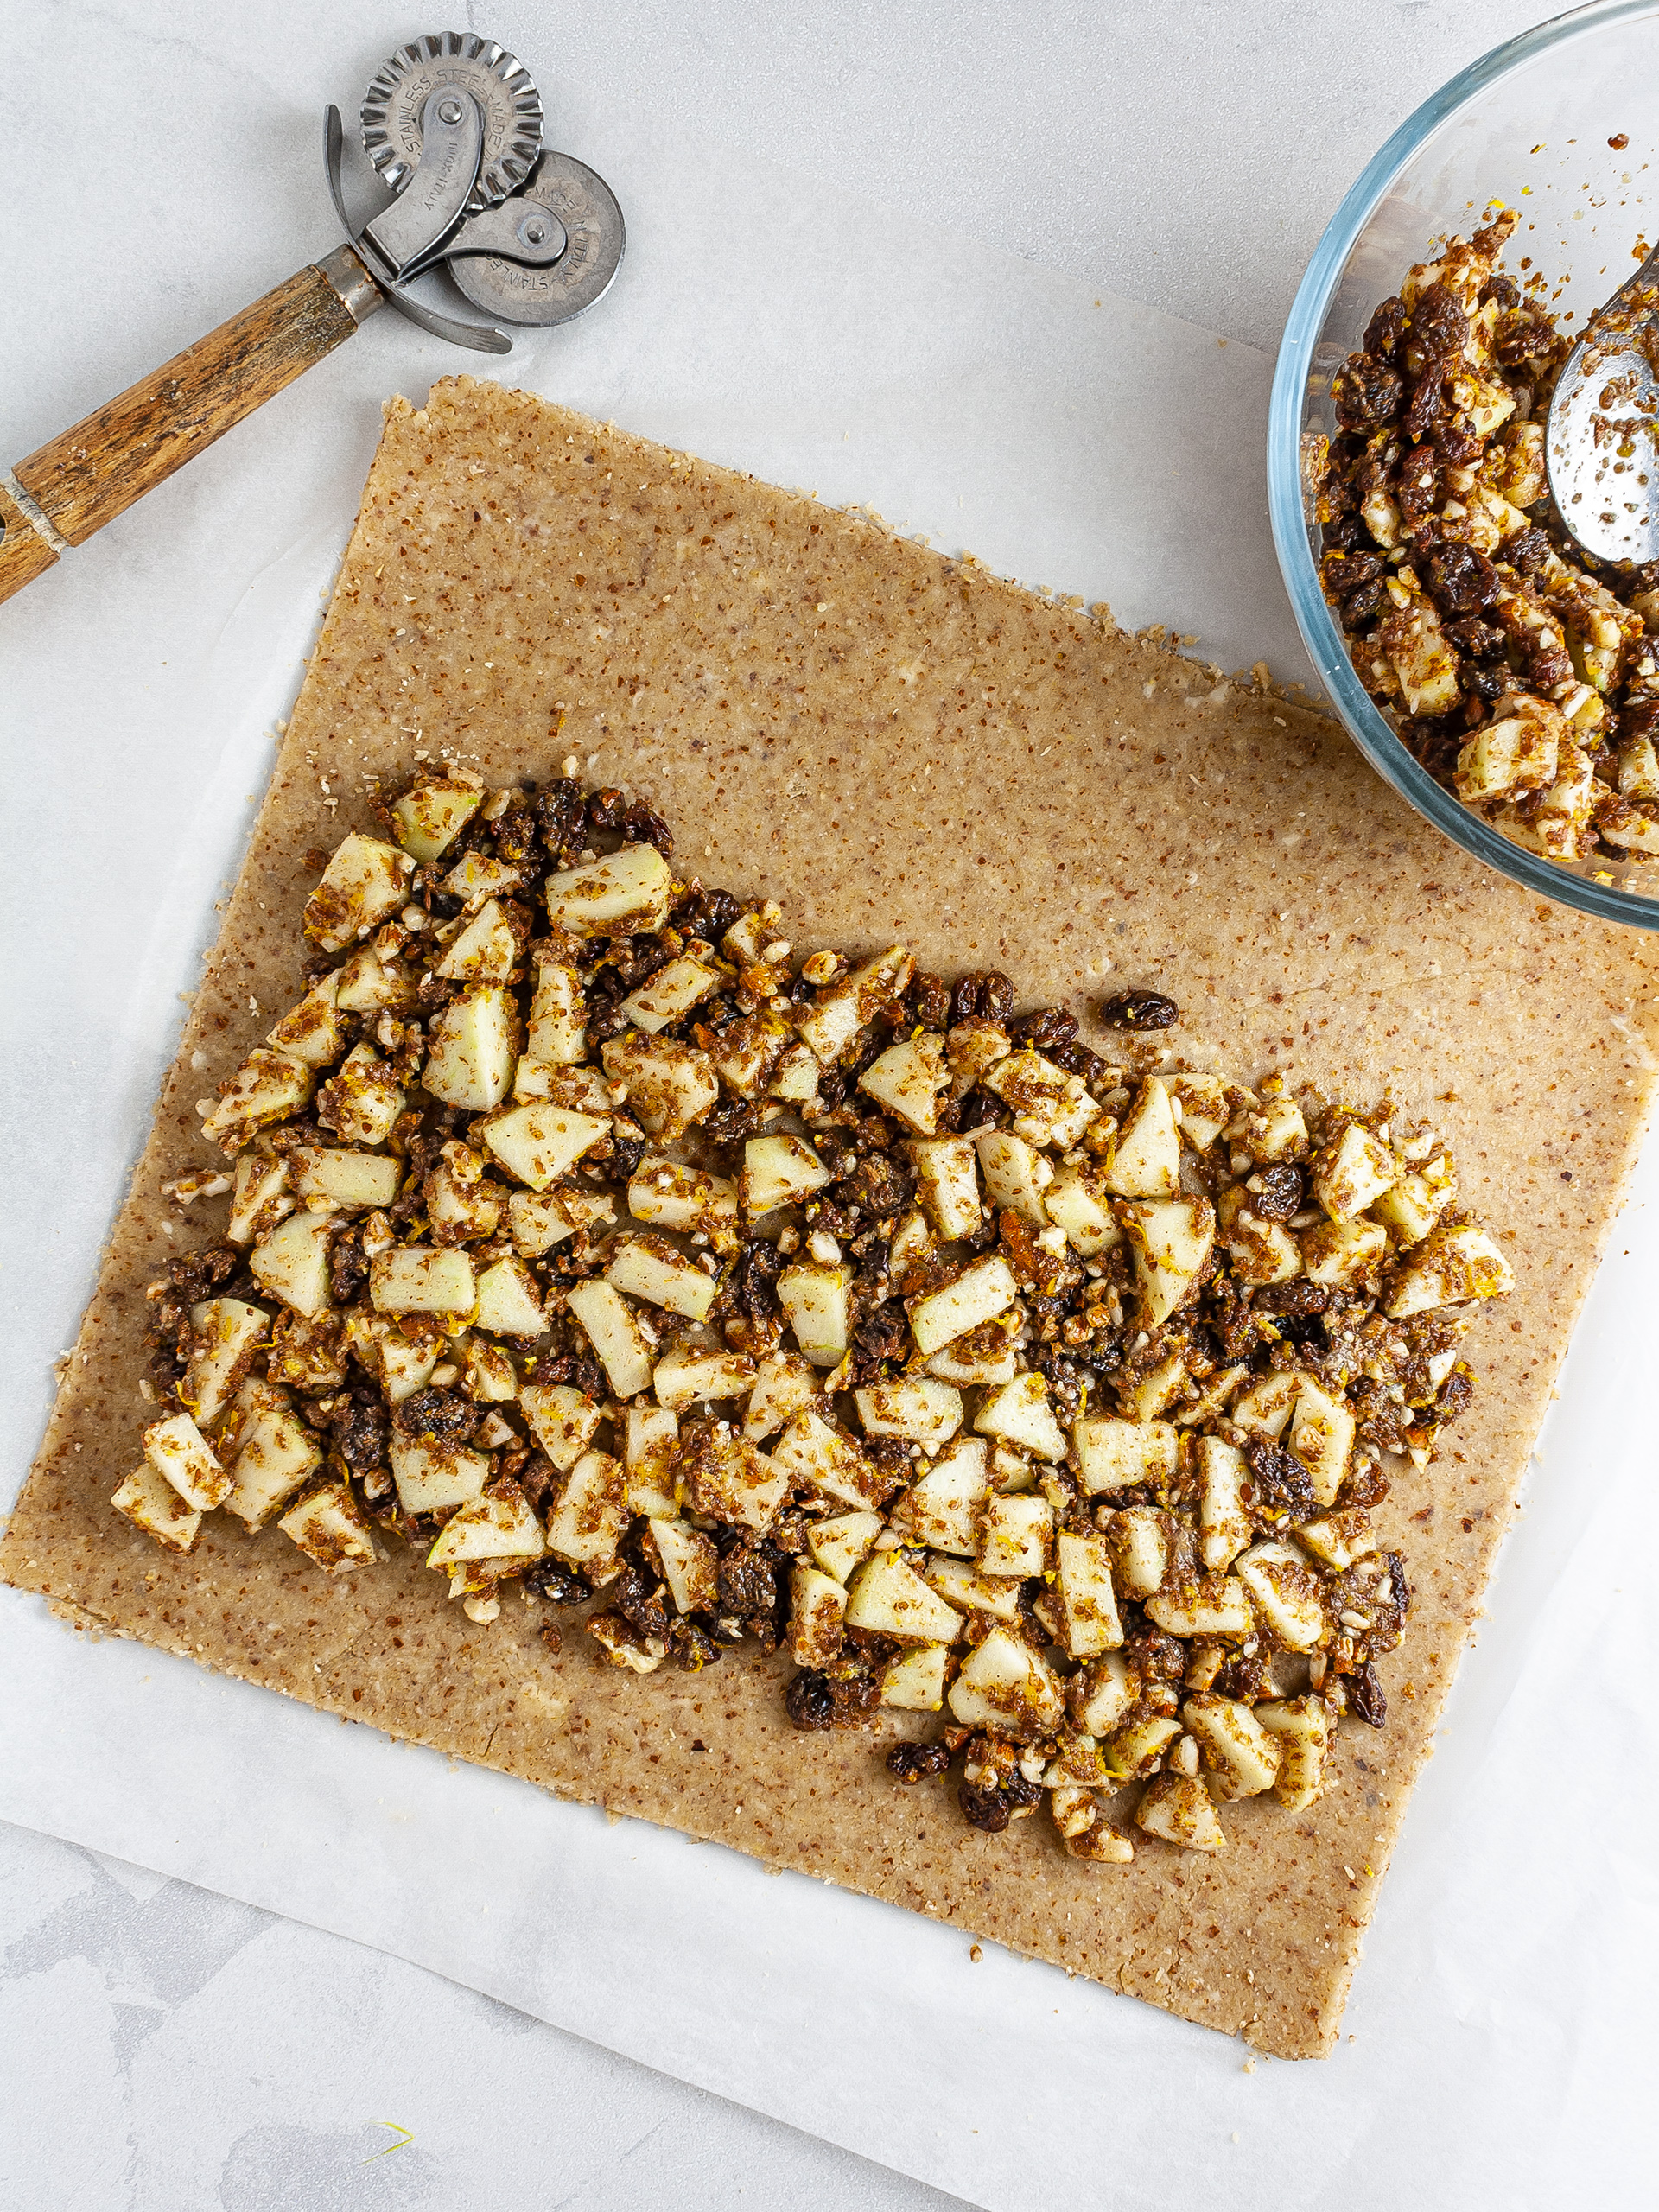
x=1527, y=126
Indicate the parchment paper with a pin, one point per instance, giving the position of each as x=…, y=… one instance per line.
x=830, y=2055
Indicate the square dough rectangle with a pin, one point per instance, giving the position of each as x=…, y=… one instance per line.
x=900, y=747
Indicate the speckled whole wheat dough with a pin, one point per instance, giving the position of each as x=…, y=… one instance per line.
x=899, y=747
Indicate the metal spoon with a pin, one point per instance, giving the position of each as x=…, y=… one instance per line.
x=1601, y=437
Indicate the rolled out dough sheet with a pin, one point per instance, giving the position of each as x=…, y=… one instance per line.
x=899, y=747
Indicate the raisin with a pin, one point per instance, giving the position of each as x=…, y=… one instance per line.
x=754, y=1281
x=1364, y=606
x=1345, y=572
x=1077, y=1059
x=438, y=1416
x=692, y=1645
x=1503, y=289
x=1439, y=326
x=357, y=1425
x=929, y=1002
x=516, y=836
x=559, y=1585
x=1296, y=1301
x=633, y=1596
x=1139, y=1010
x=1456, y=1394
x=1021, y=1789
x=885, y=1333
x=809, y=1700
x=348, y=1271
x=1280, y=1194
x=1366, y=393
x=986, y=994
x=1480, y=640
x=748, y=1583
x=1346, y=532
x=1048, y=1026
x=1155, y=1656
x=1461, y=580
x=1385, y=330
x=883, y=1184
x=915, y=1762
x=643, y=826
x=706, y=913
x=1365, y=1696
x=626, y=1151
x=1278, y=1487
x=987, y=1810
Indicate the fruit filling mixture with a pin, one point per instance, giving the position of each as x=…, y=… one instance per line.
x=1521, y=673
x=590, y=1241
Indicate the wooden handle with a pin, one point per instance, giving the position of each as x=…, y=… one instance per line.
x=95, y=472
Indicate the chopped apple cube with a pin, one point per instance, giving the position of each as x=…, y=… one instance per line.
x=814, y=1296
x=267, y=1087
x=432, y=813
x=490, y=1377
x=817, y=1605
x=1337, y=1253
x=675, y=1197
x=669, y=1085
x=690, y=1565
x=369, y=982
x=783, y=1383
x=1019, y=1413
x=624, y=894
x=985, y=1288
x=1241, y=1756
x=292, y=1262
x=840, y=1544
x=727, y=1477
x=613, y=1328
x=1116, y=1454
x=830, y=1024
x=509, y=1304
x=176, y=1447
x=776, y=1172
x=1171, y=1240
x=1286, y=1593
x=1145, y=1160
x=540, y=1220
x=1338, y=1538
x=461, y=1203
x=152, y=1503
x=1347, y=1175
x=435, y=1478
x=1102, y=1694
x=1304, y=1728
x=1518, y=750
x=499, y=1525
x=416, y=1279
x=1153, y=1392
x=1050, y=1106
x=1223, y=1518
x=586, y=1524
x=984, y=1356
x=795, y=1078
x=1215, y=1608
x=1203, y=1110
x=649, y=1266
x=269, y=1452
x=471, y=1049
x=309, y=1352
x=1416, y=1202
x=1015, y=1535
x=563, y=1419
x=1077, y=1201
x=947, y=1183
x=1278, y=1132
x=1449, y=1266
x=747, y=1052
x=1321, y=1437
x=259, y=1198
x=401, y=1361
x=363, y=885
x=690, y=1373
x=484, y=951
x=1266, y=1407
x=914, y=1681
x=1016, y=1174
x=351, y=1180
x=1262, y=1251
x=942, y=1508
x=909, y=1079
x=809, y=1451
x=583, y=1089
x=651, y=1446
x=558, y=1011
x=915, y=1407
x=1177, y=1808
x=1089, y=1613
x=1006, y=1686
x=364, y=1100
x=1141, y=1548
x=886, y=1597
x=538, y=1141
x=313, y=1032
x=1134, y=1749
x=225, y=1333
x=965, y=1589
x=477, y=876
x=673, y=990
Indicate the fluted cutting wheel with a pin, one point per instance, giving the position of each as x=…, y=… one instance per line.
x=398, y=94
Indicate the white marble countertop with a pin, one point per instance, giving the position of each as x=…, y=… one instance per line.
x=161, y=2047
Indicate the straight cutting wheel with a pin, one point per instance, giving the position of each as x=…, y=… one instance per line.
x=511, y=104
x=585, y=206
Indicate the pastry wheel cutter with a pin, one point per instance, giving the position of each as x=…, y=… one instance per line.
x=452, y=126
